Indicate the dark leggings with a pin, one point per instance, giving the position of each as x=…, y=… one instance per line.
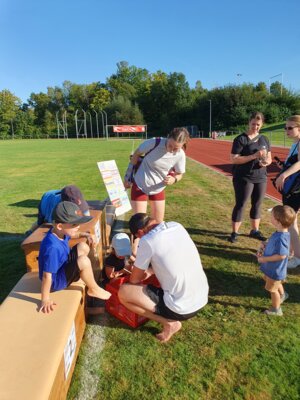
x=243, y=190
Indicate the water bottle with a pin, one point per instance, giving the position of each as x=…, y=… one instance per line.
x=263, y=158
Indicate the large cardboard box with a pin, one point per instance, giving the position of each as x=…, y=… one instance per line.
x=39, y=351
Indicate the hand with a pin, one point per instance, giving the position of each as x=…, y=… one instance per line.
x=263, y=163
x=90, y=238
x=169, y=180
x=117, y=274
x=127, y=184
x=280, y=182
x=260, y=259
x=47, y=306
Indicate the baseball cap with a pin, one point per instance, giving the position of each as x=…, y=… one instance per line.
x=68, y=213
x=72, y=193
x=121, y=243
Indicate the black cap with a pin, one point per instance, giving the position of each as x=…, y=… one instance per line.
x=72, y=193
x=68, y=213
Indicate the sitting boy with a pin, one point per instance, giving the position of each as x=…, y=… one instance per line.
x=59, y=265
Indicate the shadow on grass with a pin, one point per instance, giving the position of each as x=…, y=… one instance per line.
x=8, y=237
x=30, y=215
x=229, y=252
x=227, y=168
x=28, y=203
x=107, y=320
x=237, y=284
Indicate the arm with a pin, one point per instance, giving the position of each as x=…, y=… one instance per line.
x=90, y=238
x=129, y=172
x=47, y=304
x=138, y=275
x=238, y=159
x=273, y=258
x=282, y=177
x=171, y=179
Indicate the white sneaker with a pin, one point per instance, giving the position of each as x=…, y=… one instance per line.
x=293, y=262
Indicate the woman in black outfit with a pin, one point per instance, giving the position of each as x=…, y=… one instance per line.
x=250, y=155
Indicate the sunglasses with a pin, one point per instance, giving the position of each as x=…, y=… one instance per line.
x=289, y=128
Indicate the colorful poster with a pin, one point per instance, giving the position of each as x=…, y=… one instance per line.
x=114, y=186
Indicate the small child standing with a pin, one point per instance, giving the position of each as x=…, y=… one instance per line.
x=274, y=257
x=116, y=263
x=59, y=265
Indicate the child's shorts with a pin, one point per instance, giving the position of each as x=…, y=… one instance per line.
x=72, y=270
x=272, y=286
x=138, y=195
x=157, y=296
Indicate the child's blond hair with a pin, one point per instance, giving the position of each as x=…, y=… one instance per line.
x=285, y=215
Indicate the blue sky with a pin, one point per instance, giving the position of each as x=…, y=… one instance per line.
x=44, y=42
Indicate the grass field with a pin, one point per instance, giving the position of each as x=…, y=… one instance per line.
x=229, y=351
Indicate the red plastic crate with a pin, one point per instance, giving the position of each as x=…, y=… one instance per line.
x=115, y=308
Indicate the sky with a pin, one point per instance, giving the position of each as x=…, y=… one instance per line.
x=216, y=42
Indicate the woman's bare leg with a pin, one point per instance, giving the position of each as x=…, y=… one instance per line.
x=158, y=209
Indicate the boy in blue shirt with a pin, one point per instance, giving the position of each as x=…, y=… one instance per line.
x=274, y=257
x=59, y=265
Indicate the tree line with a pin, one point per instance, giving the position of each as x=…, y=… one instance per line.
x=133, y=95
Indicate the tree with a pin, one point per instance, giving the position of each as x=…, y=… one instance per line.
x=122, y=111
x=9, y=107
x=101, y=99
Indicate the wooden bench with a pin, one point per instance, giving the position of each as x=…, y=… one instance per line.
x=39, y=351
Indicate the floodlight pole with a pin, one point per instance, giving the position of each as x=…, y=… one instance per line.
x=91, y=124
x=97, y=125
x=106, y=130
x=209, y=118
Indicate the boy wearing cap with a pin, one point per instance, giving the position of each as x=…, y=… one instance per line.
x=59, y=265
x=116, y=261
x=50, y=200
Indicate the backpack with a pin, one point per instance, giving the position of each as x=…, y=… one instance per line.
x=132, y=169
x=291, y=184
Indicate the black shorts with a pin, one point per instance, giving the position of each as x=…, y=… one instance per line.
x=71, y=268
x=157, y=295
x=292, y=201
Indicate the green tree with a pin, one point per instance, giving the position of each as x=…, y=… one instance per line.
x=101, y=99
x=9, y=107
x=122, y=111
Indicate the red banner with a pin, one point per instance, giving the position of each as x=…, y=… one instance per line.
x=129, y=128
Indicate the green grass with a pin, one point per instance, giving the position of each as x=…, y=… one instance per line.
x=229, y=351
x=274, y=132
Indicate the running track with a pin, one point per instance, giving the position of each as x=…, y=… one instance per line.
x=215, y=154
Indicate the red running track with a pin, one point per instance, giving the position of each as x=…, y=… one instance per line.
x=215, y=154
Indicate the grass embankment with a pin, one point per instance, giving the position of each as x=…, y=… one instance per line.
x=274, y=132
x=229, y=351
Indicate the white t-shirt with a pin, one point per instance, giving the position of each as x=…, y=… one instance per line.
x=177, y=265
x=156, y=166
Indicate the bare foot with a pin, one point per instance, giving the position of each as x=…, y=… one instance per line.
x=169, y=329
x=99, y=293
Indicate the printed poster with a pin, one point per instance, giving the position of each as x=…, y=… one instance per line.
x=114, y=186
x=69, y=351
